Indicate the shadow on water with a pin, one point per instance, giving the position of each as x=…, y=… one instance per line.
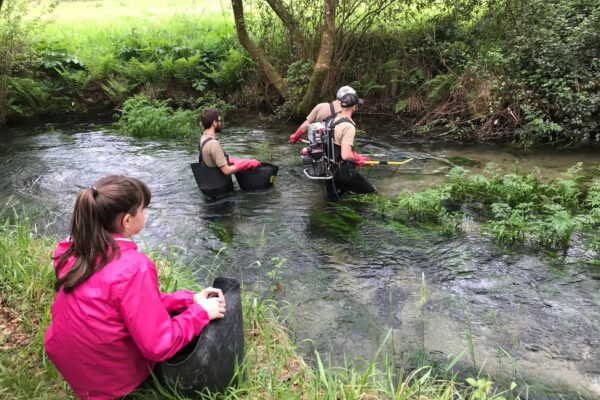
x=349, y=276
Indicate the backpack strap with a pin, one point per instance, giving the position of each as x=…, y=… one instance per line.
x=335, y=150
x=341, y=120
x=201, y=147
x=332, y=109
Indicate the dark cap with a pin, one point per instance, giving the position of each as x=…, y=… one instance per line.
x=350, y=99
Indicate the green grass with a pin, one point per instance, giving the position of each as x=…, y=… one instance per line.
x=71, y=11
x=273, y=367
x=92, y=29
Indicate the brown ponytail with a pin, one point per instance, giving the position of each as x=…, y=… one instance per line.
x=94, y=220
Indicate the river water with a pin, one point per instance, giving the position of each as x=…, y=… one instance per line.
x=348, y=278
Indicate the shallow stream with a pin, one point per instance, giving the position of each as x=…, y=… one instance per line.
x=348, y=276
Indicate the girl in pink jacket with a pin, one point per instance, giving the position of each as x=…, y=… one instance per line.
x=110, y=323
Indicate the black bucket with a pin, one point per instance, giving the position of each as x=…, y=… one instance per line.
x=258, y=178
x=208, y=361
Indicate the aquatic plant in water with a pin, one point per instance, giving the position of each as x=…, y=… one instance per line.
x=513, y=208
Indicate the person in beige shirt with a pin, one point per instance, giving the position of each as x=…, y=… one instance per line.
x=321, y=112
x=346, y=177
x=213, y=172
x=211, y=152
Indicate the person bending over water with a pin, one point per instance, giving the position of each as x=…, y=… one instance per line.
x=110, y=322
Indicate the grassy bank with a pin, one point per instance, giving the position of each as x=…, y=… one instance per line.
x=92, y=56
x=273, y=368
x=463, y=70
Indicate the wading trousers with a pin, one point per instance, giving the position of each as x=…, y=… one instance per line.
x=347, y=179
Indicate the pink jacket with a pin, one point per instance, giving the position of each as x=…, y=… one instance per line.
x=108, y=333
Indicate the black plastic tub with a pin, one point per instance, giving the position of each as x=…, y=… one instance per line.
x=259, y=178
x=209, y=360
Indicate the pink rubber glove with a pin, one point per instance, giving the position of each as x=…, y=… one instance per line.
x=242, y=164
x=359, y=159
x=232, y=160
x=295, y=137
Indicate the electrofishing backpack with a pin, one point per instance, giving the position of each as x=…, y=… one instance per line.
x=322, y=153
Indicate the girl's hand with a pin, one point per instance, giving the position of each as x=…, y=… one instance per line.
x=213, y=307
x=209, y=292
x=213, y=302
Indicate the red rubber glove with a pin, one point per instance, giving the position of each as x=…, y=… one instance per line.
x=296, y=136
x=359, y=159
x=242, y=164
x=231, y=160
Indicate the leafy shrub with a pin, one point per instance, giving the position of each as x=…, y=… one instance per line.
x=554, y=231
x=138, y=72
x=566, y=192
x=105, y=66
x=185, y=69
x=17, y=30
x=50, y=60
x=212, y=100
x=592, y=200
x=143, y=117
x=423, y=206
x=537, y=128
x=439, y=87
x=28, y=97
x=552, y=53
x=117, y=89
x=517, y=188
x=231, y=72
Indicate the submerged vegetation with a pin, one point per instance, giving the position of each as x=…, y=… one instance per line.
x=273, y=368
x=512, y=208
x=525, y=71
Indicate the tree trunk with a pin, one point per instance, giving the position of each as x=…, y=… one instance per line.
x=323, y=63
x=290, y=23
x=1, y=1
x=255, y=53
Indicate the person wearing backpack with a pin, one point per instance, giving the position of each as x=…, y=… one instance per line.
x=345, y=160
x=321, y=112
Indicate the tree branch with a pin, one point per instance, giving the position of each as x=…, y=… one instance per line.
x=289, y=22
x=323, y=63
x=257, y=55
x=346, y=34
